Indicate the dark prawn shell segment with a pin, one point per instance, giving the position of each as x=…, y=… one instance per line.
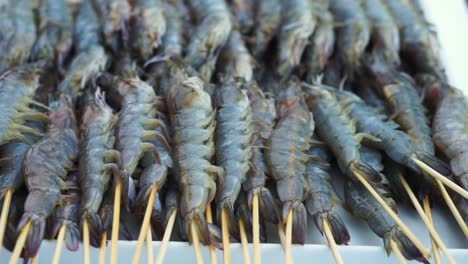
x=323, y=198
x=264, y=117
x=192, y=120
x=419, y=45
x=98, y=161
x=211, y=33
x=267, y=23
x=297, y=24
x=18, y=33
x=46, y=166
x=363, y=205
x=352, y=34
x=55, y=38
x=286, y=156
x=68, y=212
x=233, y=139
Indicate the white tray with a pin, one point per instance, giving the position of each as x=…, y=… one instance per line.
x=450, y=19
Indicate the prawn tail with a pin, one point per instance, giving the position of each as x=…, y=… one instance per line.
x=198, y=217
x=268, y=207
x=338, y=228
x=142, y=197
x=299, y=218
x=435, y=164
x=367, y=172
x=95, y=227
x=106, y=215
x=228, y=206
x=35, y=235
x=72, y=237
x=407, y=248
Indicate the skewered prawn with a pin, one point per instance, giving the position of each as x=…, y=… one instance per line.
x=45, y=167
x=364, y=206
x=287, y=159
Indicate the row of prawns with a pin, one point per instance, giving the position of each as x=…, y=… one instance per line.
x=154, y=132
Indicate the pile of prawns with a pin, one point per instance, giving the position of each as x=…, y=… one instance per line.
x=121, y=119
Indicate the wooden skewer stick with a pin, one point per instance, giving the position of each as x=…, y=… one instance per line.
x=86, y=249
x=103, y=248
x=331, y=242
x=434, y=235
x=436, y=175
x=435, y=248
x=20, y=243
x=453, y=208
x=166, y=238
x=145, y=226
x=288, y=241
x=256, y=230
x=35, y=259
x=59, y=244
x=209, y=218
x=4, y=213
x=149, y=246
x=115, y=221
x=398, y=254
x=196, y=243
x=244, y=242
x=281, y=235
x=226, y=243
x=426, y=253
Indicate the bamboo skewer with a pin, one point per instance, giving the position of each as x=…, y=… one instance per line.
x=225, y=230
x=436, y=175
x=103, y=248
x=331, y=242
x=282, y=236
x=86, y=249
x=196, y=243
x=453, y=208
x=115, y=221
x=35, y=259
x=145, y=226
x=244, y=242
x=256, y=230
x=20, y=241
x=209, y=218
x=149, y=247
x=435, y=248
x=434, y=235
x=166, y=238
x=59, y=244
x=398, y=254
x=288, y=240
x=4, y=214
x=426, y=253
